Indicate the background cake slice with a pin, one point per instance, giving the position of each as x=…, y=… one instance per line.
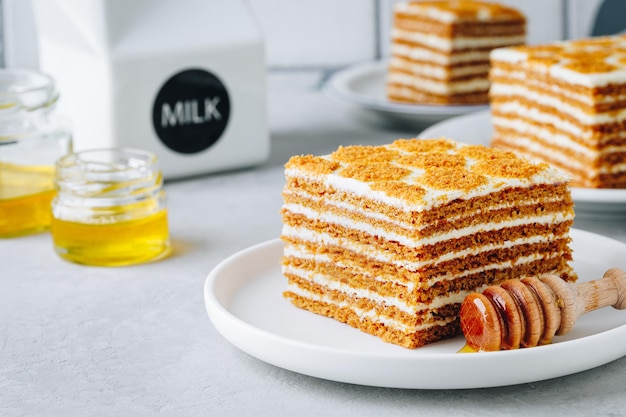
x=564, y=103
x=440, y=49
x=390, y=239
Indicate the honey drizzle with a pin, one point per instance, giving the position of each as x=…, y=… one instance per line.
x=25, y=195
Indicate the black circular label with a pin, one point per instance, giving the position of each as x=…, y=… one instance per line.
x=191, y=111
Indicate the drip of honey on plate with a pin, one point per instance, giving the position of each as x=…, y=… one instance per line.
x=467, y=349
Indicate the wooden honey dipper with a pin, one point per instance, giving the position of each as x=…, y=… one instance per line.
x=530, y=311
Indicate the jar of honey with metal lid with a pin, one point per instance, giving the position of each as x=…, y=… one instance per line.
x=32, y=137
x=110, y=208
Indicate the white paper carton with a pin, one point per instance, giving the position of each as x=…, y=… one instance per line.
x=185, y=79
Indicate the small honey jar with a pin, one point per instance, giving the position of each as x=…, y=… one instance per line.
x=110, y=208
x=32, y=138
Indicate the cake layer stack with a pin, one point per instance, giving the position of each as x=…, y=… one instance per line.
x=391, y=238
x=564, y=103
x=440, y=49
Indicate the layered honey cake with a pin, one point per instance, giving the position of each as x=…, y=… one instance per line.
x=564, y=103
x=390, y=239
x=440, y=49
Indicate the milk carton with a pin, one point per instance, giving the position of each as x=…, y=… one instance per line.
x=184, y=79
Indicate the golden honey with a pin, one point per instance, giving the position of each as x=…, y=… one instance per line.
x=32, y=138
x=115, y=244
x=110, y=208
x=25, y=196
x=467, y=349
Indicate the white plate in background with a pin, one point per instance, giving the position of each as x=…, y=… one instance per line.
x=476, y=129
x=243, y=298
x=363, y=85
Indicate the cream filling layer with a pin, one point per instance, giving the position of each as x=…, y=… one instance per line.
x=377, y=298
x=372, y=315
x=559, y=140
x=535, y=148
x=416, y=243
x=367, y=294
x=560, y=106
x=428, y=55
x=439, y=87
x=447, y=44
x=436, y=71
x=526, y=142
x=300, y=251
x=514, y=108
x=523, y=78
x=376, y=215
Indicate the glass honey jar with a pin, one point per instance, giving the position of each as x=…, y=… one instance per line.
x=32, y=137
x=110, y=208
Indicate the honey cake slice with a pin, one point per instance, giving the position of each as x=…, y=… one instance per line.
x=440, y=49
x=564, y=103
x=389, y=239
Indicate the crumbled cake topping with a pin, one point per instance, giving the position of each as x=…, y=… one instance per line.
x=590, y=66
x=603, y=58
x=423, y=146
x=432, y=159
x=371, y=172
x=411, y=193
x=313, y=164
x=451, y=179
x=499, y=163
x=363, y=154
x=419, y=170
x=507, y=166
x=463, y=10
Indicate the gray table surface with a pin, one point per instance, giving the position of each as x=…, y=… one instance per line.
x=136, y=341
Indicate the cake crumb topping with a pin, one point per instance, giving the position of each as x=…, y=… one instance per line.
x=468, y=10
x=411, y=193
x=422, y=146
x=590, y=66
x=371, y=172
x=601, y=55
x=506, y=166
x=313, y=164
x=363, y=154
x=451, y=179
x=432, y=159
x=416, y=171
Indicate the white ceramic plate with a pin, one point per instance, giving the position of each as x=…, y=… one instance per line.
x=243, y=297
x=476, y=129
x=363, y=85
